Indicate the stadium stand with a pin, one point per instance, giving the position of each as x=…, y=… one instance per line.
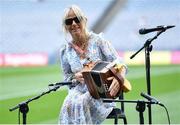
x=35, y=27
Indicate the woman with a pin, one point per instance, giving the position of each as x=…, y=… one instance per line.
x=79, y=107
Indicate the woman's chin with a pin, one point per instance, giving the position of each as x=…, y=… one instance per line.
x=77, y=33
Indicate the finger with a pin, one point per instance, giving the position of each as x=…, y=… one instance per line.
x=113, y=92
x=110, y=78
x=81, y=80
x=78, y=75
x=113, y=85
x=115, y=88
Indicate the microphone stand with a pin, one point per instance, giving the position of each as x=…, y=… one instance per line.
x=23, y=106
x=148, y=48
x=140, y=107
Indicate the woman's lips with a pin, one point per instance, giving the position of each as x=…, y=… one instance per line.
x=76, y=30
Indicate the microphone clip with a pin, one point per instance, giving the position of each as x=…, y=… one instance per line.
x=151, y=99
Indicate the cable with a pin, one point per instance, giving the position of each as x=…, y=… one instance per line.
x=152, y=99
x=19, y=116
x=167, y=114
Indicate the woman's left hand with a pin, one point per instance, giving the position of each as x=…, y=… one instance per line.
x=114, y=87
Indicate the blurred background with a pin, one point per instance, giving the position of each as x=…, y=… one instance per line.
x=31, y=36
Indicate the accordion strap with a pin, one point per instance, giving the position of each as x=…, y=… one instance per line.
x=79, y=51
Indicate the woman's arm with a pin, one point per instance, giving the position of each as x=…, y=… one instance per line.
x=65, y=66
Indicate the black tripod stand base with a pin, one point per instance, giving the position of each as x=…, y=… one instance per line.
x=140, y=107
x=23, y=108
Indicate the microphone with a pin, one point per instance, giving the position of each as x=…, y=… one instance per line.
x=158, y=28
x=150, y=98
x=61, y=83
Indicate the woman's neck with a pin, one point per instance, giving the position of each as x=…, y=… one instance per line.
x=81, y=40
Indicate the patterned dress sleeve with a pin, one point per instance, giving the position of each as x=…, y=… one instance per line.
x=66, y=68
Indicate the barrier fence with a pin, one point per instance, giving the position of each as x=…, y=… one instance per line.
x=42, y=59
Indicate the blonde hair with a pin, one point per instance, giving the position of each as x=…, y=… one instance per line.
x=80, y=15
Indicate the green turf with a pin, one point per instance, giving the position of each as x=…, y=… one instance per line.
x=20, y=84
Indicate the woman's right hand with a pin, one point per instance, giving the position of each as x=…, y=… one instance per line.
x=79, y=77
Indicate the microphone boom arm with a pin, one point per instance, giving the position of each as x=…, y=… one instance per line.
x=147, y=43
x=34, y=98
x=23, y=106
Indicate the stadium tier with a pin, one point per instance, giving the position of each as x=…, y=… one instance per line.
x=35, y=26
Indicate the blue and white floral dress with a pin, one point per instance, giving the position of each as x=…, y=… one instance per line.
x=79, y=107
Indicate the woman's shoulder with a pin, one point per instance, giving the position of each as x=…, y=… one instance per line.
x=98, y=38
x=64, y=47
x=95, y=35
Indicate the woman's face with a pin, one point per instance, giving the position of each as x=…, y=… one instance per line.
x=73, y=24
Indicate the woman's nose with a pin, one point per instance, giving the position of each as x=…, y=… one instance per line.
x=73, y=23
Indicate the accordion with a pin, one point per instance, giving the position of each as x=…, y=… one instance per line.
x=96, y=79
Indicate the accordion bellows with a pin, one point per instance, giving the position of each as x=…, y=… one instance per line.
x=96, y=75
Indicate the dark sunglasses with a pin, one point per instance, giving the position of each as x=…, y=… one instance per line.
x=70, y=21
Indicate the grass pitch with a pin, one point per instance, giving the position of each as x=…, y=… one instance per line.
x=20, y=84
